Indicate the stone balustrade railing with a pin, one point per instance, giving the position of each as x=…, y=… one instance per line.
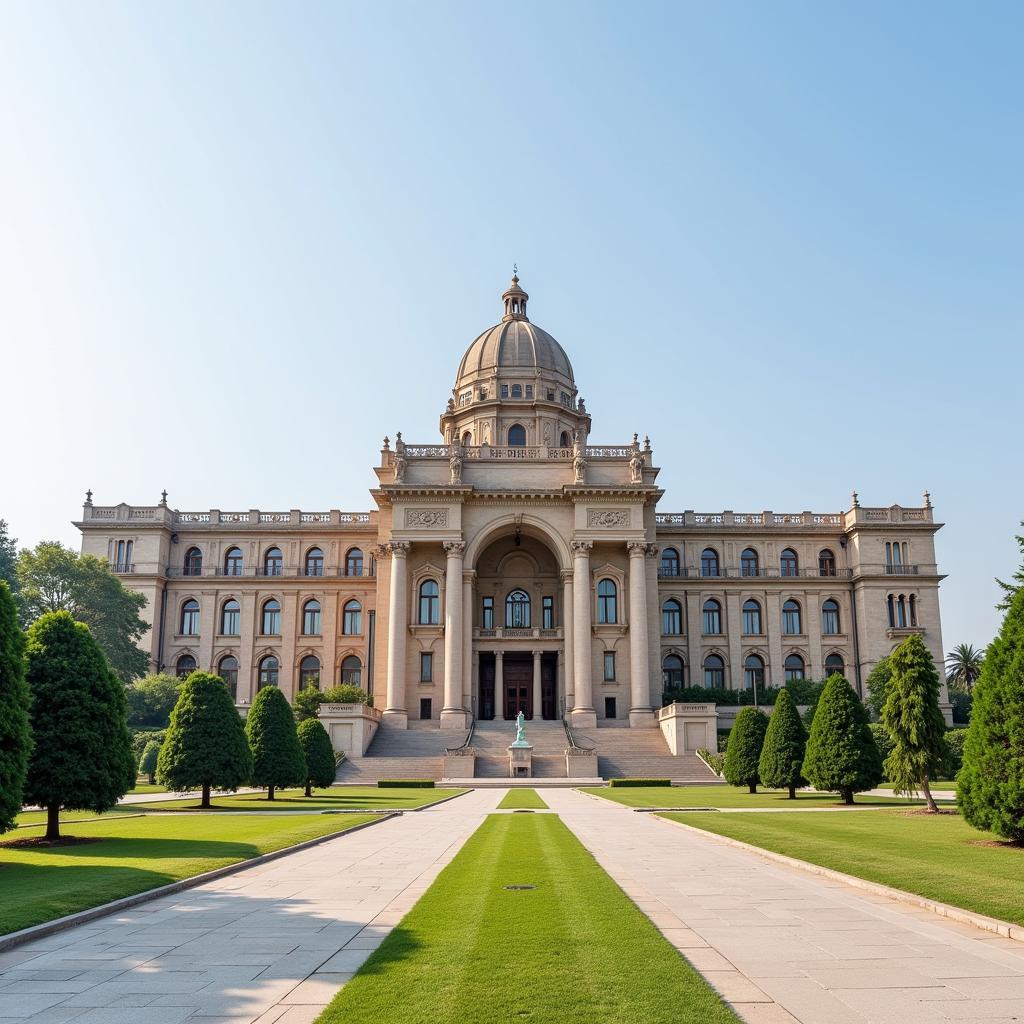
x=161, y=514
x=789, y=520
x=529, y=452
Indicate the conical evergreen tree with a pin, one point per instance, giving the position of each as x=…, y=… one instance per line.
x=205, y=746
x=148, y=761
x=277, y=759
x=319, y=754
x=15, y=739
x=82, y=757
x=990, y=786
x=744, y=749
x=782, y=755
x=841, y=753
x=912, y=716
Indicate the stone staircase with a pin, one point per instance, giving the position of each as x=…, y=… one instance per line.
x=413, y=753
x=491, y=741
x=644, y=754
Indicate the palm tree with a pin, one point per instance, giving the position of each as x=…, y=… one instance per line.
x=963, y=666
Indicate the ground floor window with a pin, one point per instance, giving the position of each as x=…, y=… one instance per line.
x=425, y=708
x=609, y=707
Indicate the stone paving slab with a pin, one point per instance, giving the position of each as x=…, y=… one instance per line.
x=270, y=944
x=782, y=945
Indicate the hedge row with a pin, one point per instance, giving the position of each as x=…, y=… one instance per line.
x=639, y=782
x=405, y=784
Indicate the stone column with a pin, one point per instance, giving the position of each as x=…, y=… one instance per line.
x=467, y=642
x=398, y=628
x=538, y=712
x=583, y=713
x=569, y=689
x=499, y=684
x=640, y=712
x=452, y=714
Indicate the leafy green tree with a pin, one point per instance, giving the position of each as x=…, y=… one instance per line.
x=319, y=754
x=782, y=755
x=82, y=758
x=205, y=745
x=963, y=666
x=914, y=720
x=15, y=739
x=744, y=750
x=877, y=685
x=307, y=702
x=151, y=700
x=1011, y=589
x=141, y=738
x=990, y=786
x=53, y=578
x=882, y=740
x=148, y=761
x=9, y=562
x=841, y=753
x=277, y=759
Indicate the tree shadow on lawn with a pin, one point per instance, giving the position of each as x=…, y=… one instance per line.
x=298, y=802
x=136, y=848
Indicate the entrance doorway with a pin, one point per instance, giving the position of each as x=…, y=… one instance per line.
x=518, y=685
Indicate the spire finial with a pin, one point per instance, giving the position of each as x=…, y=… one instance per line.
x=515, y=271
x=856, y=500
x=88, y=496
x=927, y=499
x=514, y=299
x=163, y=497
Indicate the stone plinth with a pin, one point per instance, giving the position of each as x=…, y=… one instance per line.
x=520, y=761
x=350, y=726
x=688, y=728
x=580, y=764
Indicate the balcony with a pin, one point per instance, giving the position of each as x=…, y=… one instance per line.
x=285, y=571
x=122, y=568
x=770, y=572
x=518, y=633
x=901, y=570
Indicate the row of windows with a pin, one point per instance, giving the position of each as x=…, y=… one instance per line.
x=672, y=617
x=902, y=611
x=517, y=607
x=518, y=611
x=794, y=667
x=125, y=555
x=273, y=562
x=517, y=437
x=270, y=618
x=268, y=671
x=750, y=563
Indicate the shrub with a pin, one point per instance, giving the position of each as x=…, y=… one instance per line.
x=405, y=784
x=205, y=746
x=723, y=740
x=882, y=740
x=151, y=700
x=716, y=762
x=15, y=739
x=307, y=702
x=877, y=687
x=841, y=753
x=141, y=738
x=639, y=782
x=954, y=757
x=82, y=758
x=745, y=743
x=147, y=763
x=990, y=786
x=782, y=755
x=277, y=759
x=319, y=755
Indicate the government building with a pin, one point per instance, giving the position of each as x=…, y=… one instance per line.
x=518, y=566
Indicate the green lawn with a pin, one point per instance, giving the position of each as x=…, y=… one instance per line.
x=522, y=798
x=337, y=798
x=39, y=817
x=947, y=784
x=134, y=854
x=933, y=855
x=575, y=950
x=729, y=796
x=145, y=787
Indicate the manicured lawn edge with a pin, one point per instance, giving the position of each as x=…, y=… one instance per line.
x=982, y=921
x=77, y=821
x=443, y=800
x=39, y=931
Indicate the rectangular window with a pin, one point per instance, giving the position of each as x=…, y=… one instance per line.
x=529, y=391
x=548, y=613
x=426, y=667
x=465, y=398
x=609, y=707
x=504, y=391
x=566, y=399
x=426, y=705
x=551, y=396
x=609, y=667
x=487, y=613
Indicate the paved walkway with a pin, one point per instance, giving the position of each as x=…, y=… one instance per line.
x=782, y=945
x=272, y=943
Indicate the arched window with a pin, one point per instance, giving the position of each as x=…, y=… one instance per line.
x=429, y=603
x=227, y=669
x=233, y=562
x=709, y=562
x=351, y=671
x=517, y=610
x=309, y=673
x=672, y=672
x=826, y=562
x=190, y=618
x=712, y=616
x=193, y=563
x=794, y=666
x=901, y=612
x=185, y=666
x=749, y=563
x=913, y=610
x=564, y=441
x=271, y=618
x=830, y=617
x=273, y=562
x=231, y=618
x=669, y=562
x=789, y=564
x=753, y=671
x=714, y=671
x=671, y=618
x=834, y=666
x=352, y=618
x=314, y=562
x=752, y=617
x=890, y=605
x=467, y=439
x=354, y=563
x=517, y=390
x=269, y=670
x=791, y=618
x=607, y=602
x=517, y=436
x=311, y=618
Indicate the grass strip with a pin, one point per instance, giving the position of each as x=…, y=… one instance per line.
x=125, y=856
x=731, y=796
x=938, y=856
x=360, y=798
x=518, y=799
x=573, y=950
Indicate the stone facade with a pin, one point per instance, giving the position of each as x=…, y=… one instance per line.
x=516, y=566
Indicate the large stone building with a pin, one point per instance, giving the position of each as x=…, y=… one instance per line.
x=516, y=566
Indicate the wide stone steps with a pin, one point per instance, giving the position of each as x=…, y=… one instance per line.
x=492, y=739
x=684, y=769
x=545, y=766
x=370, y=770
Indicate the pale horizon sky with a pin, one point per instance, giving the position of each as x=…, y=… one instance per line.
x=239, y=244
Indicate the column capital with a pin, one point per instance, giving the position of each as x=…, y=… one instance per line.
x=499, y=655
x=581, y=547
x=537, y=654
x=565, y=576
x=637, y=548
x=469, y=575
x=455, y=548
x=397, y=548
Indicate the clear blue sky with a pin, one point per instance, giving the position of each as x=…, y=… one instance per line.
x=239, y=243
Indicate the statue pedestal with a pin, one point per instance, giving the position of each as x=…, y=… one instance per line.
x=520, y=761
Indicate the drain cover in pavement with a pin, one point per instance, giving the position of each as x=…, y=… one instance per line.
x=519, y=887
